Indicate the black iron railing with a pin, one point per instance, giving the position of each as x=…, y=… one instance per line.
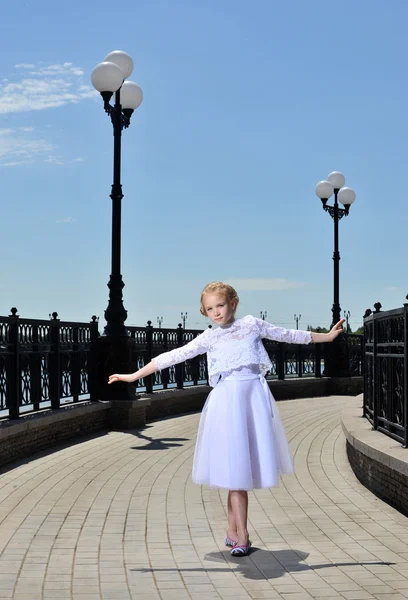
x=386, y=371
x=288, y=360
x=150, y=342
x=45, y=363
x=355, y=349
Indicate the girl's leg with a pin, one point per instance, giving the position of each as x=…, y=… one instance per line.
x=239, y=504
x=232, y=525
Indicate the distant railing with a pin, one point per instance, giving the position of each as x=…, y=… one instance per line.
x=386, y=371
x=45, y=363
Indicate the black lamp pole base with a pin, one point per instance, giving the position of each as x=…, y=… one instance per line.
x=115, y=355
x=336, y=359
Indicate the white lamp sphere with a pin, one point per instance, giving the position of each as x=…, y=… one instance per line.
x=131, y=95
x=107, y=77
x=346, y=196
x=324, y=190
x=123, y=60
x=337, y=179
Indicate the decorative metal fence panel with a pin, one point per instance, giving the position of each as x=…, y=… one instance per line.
x=288, y=360
x=150, y=342
x=293, y=360
x=355, y=345
x=44, y=363
x=386, y=372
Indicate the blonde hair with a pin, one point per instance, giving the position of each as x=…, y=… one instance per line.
x=223, y=289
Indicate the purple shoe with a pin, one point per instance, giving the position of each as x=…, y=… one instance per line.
x=242, y=550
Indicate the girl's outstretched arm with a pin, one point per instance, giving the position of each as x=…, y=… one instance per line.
x=295, y=336
x=197, y=346
x=130, y=377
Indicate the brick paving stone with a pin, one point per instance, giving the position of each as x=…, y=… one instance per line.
x=325, y=594
x=173, y=595
x=357, y=595
x=389, y=597
x=400, y=585
x=301, y=596
x=267, y=595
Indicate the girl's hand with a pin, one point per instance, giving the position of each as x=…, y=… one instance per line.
x=336, y=330
x=116, y=377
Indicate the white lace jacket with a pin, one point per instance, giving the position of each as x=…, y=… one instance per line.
x=233, y=346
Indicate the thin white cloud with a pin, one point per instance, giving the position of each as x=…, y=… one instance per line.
x=66, y=220
x=79, y=159
x=18, y=148
x=391, y=288
x=48, y=86
x=261, y=285
x=59, y=70
x=16, y=163
x=54, y=160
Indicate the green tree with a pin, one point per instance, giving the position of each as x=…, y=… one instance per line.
x=318, y=329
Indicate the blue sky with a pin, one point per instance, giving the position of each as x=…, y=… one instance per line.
x=246, y=107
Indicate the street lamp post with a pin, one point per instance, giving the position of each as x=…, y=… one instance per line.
x=297, y=319
x=336, y=362
x=115, y=344
x=184, y=319
x=263, y=314
x=160, y=321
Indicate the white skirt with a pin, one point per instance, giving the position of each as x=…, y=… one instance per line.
x=241, y=442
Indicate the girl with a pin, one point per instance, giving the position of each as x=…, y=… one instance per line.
x=241, y=443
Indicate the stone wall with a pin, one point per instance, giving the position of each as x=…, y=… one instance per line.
x=379, y=462
x=312, y=387
x=170, y=402
x=35, y=432
x=385, y=482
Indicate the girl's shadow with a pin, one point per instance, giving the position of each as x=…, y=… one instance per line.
x=259, y=564
x=264, y=564
x=158, y=443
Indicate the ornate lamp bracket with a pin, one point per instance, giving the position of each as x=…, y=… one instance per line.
x=342, y=212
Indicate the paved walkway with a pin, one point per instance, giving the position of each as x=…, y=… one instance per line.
x=117, y=517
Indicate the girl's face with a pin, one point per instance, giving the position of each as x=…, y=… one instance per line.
x=218, y=309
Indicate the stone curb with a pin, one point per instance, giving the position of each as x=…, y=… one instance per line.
x=378, y=461
x=50, y=416
x=373, y=444
x=175, y=401
x=33, y=433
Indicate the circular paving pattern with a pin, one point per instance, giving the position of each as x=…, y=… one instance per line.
x=116, y=516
